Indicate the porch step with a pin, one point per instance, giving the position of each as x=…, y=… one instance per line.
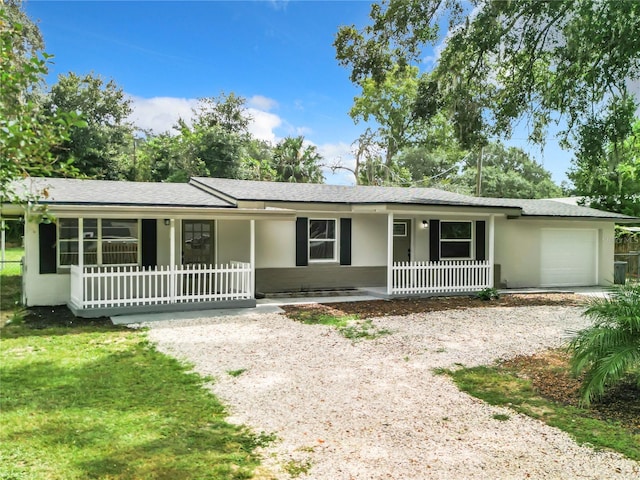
x=343, y=292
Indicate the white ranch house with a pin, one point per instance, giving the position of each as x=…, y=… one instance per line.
x=117, y=247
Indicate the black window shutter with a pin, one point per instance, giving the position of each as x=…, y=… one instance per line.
x=149, y=242
x=47, y=246
x=345, y=241
x=434, y=240
x=480, y=240
x=302, y=235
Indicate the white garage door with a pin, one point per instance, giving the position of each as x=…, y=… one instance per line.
x=568, y=257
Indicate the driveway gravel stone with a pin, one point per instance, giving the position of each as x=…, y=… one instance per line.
x=375, y=409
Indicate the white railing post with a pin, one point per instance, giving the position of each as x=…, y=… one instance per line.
x=252, y=258
x=172, y=260
x=492, y=235
x=390, y=265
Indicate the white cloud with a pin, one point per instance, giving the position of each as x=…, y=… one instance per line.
x=337, y=154
x=263, y=125
x=160, y=114
x=262, y=103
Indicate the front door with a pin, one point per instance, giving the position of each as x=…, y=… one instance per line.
x=197, y=242
x=402, y=240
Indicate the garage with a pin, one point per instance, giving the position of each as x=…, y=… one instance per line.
x=568, y=257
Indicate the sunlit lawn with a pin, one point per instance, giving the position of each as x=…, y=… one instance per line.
x=12, y=257
x=98, y=401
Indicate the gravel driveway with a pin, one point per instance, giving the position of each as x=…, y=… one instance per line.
x=374, y=409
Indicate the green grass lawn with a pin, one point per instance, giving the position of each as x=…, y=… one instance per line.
x=12, y=258
x=505, y=387
x=98, y=401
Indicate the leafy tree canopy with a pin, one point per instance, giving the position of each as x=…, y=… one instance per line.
x=27, y=135
x=94, y=148
x=293, y=161
x=606, y=169
x=504, y=60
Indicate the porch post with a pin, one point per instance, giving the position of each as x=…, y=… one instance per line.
x=81, y=244
x=172, y=260
x=389, y=253
x=252, y=257
x=492, y=230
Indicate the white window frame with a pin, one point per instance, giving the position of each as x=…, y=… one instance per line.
x=470, y=240
x=333, y=240
x=99, y=254
x=404, y=229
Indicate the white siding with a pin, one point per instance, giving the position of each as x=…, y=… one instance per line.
x=275, y=244
x=233, y=241
x=368, y=240
x=519, y=243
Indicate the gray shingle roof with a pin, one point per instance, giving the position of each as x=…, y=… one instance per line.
x=197, y=194
x=70, y=191
x=242, y=190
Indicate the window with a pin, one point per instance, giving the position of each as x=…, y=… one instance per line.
x=322, y=240
x=105, y=241
x=197, y=241
x=399, y=229
x=119, y=242
x=455, y=239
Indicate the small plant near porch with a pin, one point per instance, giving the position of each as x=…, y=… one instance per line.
x=488, y=294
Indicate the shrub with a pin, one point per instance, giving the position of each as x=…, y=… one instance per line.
x=609, y=349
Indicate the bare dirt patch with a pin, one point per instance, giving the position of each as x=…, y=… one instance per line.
x=406, y=306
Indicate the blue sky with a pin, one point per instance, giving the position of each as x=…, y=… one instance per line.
x=276, y=54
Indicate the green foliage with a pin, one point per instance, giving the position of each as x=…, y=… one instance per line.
x=509, y=61
x=217, y=144
x=507, y=172
x=389, y=103
x=606, y=169
x=101, y=402
x=610, y=348
x=488, y=294
x=295, y=468
x=27, y=136
x=295, y=162
x=96, y=147
x=501, y=387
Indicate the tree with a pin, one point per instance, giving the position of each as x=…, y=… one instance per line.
x=606, y=169
x=610, y=348
x=257, y=161
x=295, y=162
x=504, y=60
x=166, y=158
x=27, y=136
x=227, y=111
x=507, y=173
x=217, y=144
x=96, y=147
x=390, y=103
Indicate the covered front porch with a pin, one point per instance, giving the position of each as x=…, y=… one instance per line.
x=158, y=264
x=460, y=256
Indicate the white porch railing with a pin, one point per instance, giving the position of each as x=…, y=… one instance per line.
x=438, y=277
x=124, y=286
